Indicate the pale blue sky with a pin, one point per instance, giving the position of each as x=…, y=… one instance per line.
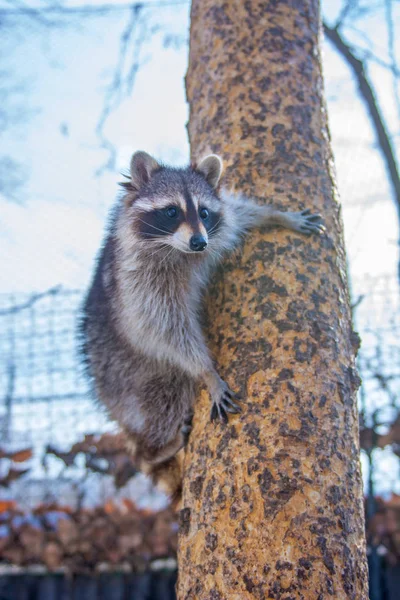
x=51, y=234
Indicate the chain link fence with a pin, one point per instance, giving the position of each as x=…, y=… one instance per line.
x=45, y=401
x=44, y=395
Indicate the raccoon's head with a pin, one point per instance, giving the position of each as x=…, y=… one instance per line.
x=174, y=207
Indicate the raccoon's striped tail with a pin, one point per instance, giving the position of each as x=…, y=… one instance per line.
x=165, y=467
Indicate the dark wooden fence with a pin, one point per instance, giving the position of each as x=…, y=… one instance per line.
x=159, y=585
x=107, y=586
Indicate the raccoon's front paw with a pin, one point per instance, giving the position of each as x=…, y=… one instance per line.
x=306, y=222
x=224, y=403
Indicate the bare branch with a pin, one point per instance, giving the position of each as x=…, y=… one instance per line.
x=392, y=53
x=34, y=13
x=347, y=8
x=369, y=97
x=82, y=11
x=368, y=55
x=122, y=84
x=357, y=302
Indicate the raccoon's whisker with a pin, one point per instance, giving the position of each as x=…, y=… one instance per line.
x=153, y=226
x=148, y=251
x=157, y=244
x=155, y=239
x=154, y=236
x=214, y=253
x=214, y=227
x=189, y=252
x=158, y=249
x=166, y=256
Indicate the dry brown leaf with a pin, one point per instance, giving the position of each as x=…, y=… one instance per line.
x=68, y=532
x=12, y=475
x=129, y=542
x=14, y=554
x=21, y=455
x=32, y=539
x=6, y=505
x=52, y=555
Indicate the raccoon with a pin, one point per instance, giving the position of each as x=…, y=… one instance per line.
x=142, y=340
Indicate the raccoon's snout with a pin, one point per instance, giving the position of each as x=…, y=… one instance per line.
x=197, y=243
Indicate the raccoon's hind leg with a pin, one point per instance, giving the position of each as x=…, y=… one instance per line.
x=161, y=464
x=155, y=456
x=145, y=454
x=167, y=476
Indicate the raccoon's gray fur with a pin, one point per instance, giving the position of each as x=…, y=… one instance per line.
x=143, y=343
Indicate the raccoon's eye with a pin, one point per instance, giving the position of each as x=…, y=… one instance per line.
x=171, y=212
x=203, y=212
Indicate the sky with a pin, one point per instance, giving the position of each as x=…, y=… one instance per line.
x=52, y=228
x=51, y=233
x=55, y=85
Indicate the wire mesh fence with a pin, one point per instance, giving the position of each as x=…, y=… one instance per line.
x=376, y=302
x=44, y=395
x=45, y=401
x=377, y=317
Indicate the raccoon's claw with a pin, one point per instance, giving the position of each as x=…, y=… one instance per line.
x=217, y=411
x=225, y=405
x=305, y=222
x=309, y=223
x=214, y=412
x=229, y=405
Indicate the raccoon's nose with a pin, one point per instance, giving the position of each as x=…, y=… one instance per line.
x=197, y=242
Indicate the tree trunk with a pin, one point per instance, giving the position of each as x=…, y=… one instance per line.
x=272, y=503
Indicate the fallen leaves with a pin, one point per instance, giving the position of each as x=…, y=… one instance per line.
x=11, y=473
x=370, y=438
x=384, y=528
x=80, y=540
x=18, y=456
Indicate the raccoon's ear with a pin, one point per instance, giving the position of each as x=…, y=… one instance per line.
x=141, y=169
x=211, y=168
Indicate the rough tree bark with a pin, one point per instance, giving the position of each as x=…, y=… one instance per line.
x=272, y=503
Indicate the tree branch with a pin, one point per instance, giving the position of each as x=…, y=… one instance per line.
x=369, y=97
x=85, y=9
x=132, y=40
x=346, y=10
x=22, y=8
x=392, y=52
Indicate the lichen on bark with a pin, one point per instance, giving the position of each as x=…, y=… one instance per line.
x=272, y=503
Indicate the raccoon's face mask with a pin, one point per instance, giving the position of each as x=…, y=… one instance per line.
x=175, y=207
